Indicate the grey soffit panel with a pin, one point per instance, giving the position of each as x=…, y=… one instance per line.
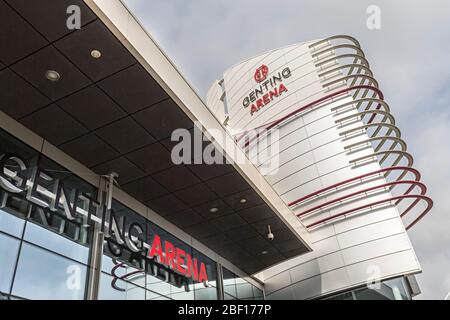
x=152, y=158
x=128, y=170
x=49, y=17
x=256, y=213
x=220, y=209
x=242, y=233
x=134, y=89
x=145, y=189
x=53, y=124
x=92, y=107
x=95, y=36
x=176, y=178
x=18, y=98
x=89, y=150
x=125, y=135
x=163, y=118
x=34, y=68
x=166, y=205
x=228, y=184
x=111, y=115
x=14, y=28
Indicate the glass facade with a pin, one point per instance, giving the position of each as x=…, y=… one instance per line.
x=46, y=241
x=236, y=287
x=393, y=289
x=43, y=254
x=131, y=275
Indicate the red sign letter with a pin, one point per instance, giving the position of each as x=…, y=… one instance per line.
x=157, y=248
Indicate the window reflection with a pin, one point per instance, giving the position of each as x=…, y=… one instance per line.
x=244, y=289
x=206, y=291
x=9, y=248
x=42, y=275
x=56, y=242
x=55, y=250
x=112, y=288
x=229, y=284
x=235, y=287
x=161, y=282
x=258, y=294
x=393, y=289
x=387, y=290
x=11, y=224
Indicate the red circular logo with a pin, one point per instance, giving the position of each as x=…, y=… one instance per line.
x=261, y=73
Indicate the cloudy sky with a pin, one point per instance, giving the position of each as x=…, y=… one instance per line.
x=408, y=55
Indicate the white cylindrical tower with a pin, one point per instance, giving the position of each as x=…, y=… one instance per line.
x=311, y=117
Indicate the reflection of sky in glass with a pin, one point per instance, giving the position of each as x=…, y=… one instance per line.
x=107, y=292
x=11, y=224
x=56, y=242
x=229, y=287
x=109, y=267
x=156, y=288
x=244, y=291
x=205, y=293
x=8, y=254
x=236, y=287
x=43, y=275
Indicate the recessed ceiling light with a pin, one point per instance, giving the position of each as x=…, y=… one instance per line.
x=243, y=200
x=96, y=54
x=265, y=252
x=52, y=75
x=213, y=210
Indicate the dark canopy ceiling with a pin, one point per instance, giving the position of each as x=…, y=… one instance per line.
x=111, y=115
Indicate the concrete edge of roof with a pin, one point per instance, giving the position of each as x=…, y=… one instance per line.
x=126, y=27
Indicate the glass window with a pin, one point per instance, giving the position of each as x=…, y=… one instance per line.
x=113, y=288
x=3, y=296
x=14, y=206
x=9, y=144
x=42, y=275
x=341, y=296
x=229, y=284
x=236, y=287
x=77, y=229
x=206, y=291
x=55, y=250
x=258, y=293
x=398, y=288
x=55, y=242
x=228, y=297
x=11, y=224
x=244, y=289
x=160, y=281
x=393, y=289
x=9, y=248
x=183, y=293
x=122, y=270
x=119, y=261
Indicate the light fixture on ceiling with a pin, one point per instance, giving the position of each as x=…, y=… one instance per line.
x=270, y=235
x=96, y=54
x=265, y=252
x=243, y=200
x=213, y=210
x=52, y=75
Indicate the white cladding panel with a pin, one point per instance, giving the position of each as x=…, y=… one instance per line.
x=312, y=155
